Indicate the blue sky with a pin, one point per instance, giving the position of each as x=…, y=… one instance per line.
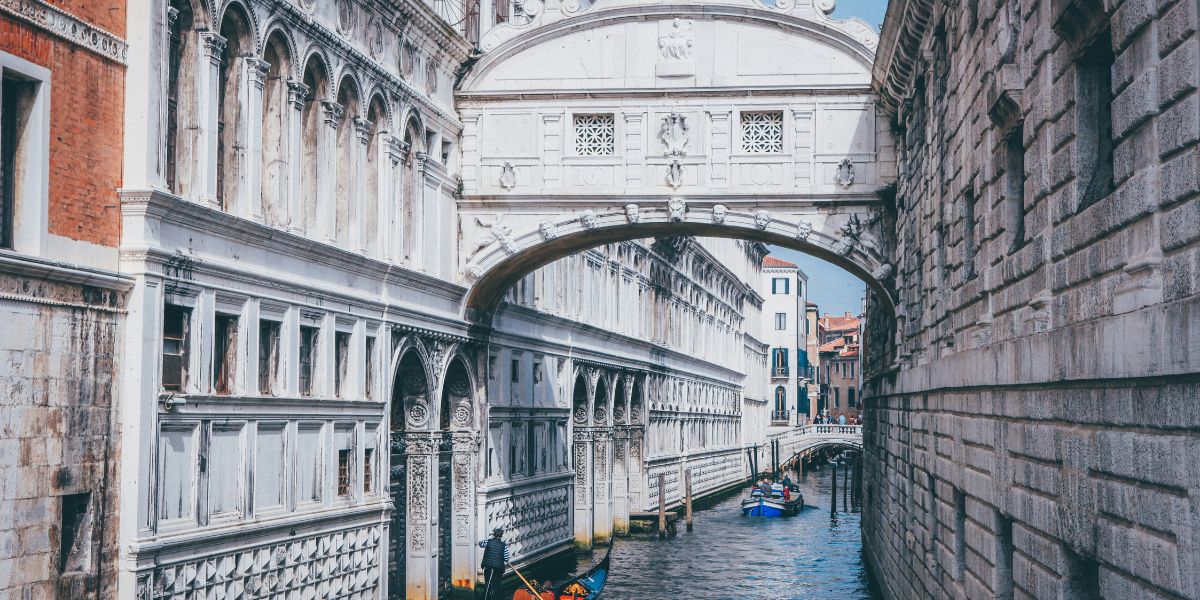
x=870, y=11
x=835, y=291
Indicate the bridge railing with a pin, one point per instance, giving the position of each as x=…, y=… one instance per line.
x=798, y=439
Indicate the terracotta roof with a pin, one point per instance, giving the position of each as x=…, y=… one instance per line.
x=846, y=322
x=831, y=346
x=770, y=261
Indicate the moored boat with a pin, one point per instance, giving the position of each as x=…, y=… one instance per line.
x=588, y=585
x=779, y=502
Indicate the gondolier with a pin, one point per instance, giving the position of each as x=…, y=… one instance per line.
x=495, y=556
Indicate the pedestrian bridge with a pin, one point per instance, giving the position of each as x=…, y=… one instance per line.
x=593, y=123
x=801, y=440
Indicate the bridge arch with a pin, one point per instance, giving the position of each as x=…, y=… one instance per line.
x=514, y=250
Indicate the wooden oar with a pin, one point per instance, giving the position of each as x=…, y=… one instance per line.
x=536, y=594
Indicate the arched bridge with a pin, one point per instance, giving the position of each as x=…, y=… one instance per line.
x=595, y=123
x=808, y=438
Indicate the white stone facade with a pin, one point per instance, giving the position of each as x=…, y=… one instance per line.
x=784, y=288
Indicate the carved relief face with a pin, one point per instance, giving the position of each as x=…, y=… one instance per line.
x=588, y=218
x=718, y=215
x=633, y=213
x=803, y=229
x=677, y=207
x=546, y=228
x=762, y=218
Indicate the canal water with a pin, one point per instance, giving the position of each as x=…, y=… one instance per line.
x=727, y=556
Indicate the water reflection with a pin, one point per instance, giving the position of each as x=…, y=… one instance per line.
x=808, y=556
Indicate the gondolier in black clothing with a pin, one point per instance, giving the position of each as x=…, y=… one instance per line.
x=495, y=556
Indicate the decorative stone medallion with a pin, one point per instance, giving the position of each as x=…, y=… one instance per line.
x=347, y=16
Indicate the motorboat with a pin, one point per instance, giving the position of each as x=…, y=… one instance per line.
x=777, y=501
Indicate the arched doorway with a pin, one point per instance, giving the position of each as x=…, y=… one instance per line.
x=456, y=475
x=409, y=389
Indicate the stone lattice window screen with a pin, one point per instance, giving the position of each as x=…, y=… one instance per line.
x=762, y=132
x=595, y=135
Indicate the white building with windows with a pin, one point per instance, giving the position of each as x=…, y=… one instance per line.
x=784, y=289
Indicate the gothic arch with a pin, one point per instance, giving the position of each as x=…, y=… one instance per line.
x=278, y=27
x=601, y=413
x=276, y=115
x=251, y=20
x=411, y=386
x=458, y=407
x=580, y=407
x=237, y=26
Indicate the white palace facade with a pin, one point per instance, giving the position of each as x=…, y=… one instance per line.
x=308, y=406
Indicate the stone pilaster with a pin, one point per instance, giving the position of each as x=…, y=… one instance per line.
x=421, y=545
x=327, y=171
x=582, y=457
x=620, y=480
x=602, y=519
x=465, y=446
x=297, y=94
x=208, y=90
x=249, y=167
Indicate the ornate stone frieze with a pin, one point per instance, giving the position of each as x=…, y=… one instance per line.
x=533, y=520
x=347, y=560
x=68, y=27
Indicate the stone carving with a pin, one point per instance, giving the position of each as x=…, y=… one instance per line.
x=844, y=246
x=580, y=414
x=297, y=93
x=633, y=213
x=718, y=214
x=431, y=76
x=546, y=228
x=416, y=539
x=882, y=272
x=462, y=527
x=844, y=174
x=508, y=176
x=346, y=560
x=619, y=414
x=588, y=219
x=462, y=415
x=676, y=209
x=375, y=38
x=347, y=16
x=601, y=414
x=462, y=481
x=407, y=59
x=675, y=173
x=804, y=230
x=538, y=519
x=498, y=231
x=762, y=218
x=674, y=135
x=826, y=6
x=418, y=490
x=46, y=16
x=676, y=45
x=437, y=353
x=418, y=413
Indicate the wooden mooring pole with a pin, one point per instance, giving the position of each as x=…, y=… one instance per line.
x=662, y=507
x=687, y=483
x=833, y=496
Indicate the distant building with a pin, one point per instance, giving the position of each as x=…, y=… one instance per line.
x=840, y=355
x=785, y=331
x=812, y=388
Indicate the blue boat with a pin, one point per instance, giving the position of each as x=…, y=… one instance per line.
x=587, y=586
x=775, y=504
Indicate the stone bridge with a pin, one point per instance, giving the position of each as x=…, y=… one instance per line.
x=661, y=134
x=799, y=441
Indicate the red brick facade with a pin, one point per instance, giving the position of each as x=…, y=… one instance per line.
x=86, y=118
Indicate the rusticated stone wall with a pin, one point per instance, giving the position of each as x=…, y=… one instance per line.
x=1034, y=435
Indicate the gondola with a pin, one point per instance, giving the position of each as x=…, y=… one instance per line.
x=587, y=586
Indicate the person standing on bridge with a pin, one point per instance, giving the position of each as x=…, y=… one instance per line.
x=495, y=556
x=842, y=419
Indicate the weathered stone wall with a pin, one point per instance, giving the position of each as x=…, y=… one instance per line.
x=1034, y=435
x=59, y=457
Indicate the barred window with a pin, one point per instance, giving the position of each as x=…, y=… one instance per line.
x=762, y=132
x=595, y=135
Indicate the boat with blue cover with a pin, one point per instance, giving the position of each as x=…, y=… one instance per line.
x=775, y=501
x=587, y=586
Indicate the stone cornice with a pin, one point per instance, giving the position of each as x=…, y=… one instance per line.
x=163, y=207
x=898, y=55
x=419, y=15
x=68, y=27
x=50, y=270
x=469, y=99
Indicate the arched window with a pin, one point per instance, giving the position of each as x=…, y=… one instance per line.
x=231, y=139
x=312, y=119
x=410, y=200
x=347, y=152
x=181, y=75
x=377, y=116
x=275, y=115
x=780, y=398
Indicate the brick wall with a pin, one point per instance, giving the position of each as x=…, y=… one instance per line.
x=86, y=117
x=1032, y=434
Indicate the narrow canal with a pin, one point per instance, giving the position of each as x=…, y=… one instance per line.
x=727, y=556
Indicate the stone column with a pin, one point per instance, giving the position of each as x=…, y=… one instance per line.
x=601, y=487
x=327, y=171
x=250, y=160
x=583, y=488
x=358, y=199
x=212, y=48
x=636, y=469
x=465, y=446
x=392, y=227
x=297, y=93
x=620, y=480
x=421, y=217
x=422, y=499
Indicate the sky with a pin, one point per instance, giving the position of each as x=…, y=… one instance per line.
x=834, y=290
